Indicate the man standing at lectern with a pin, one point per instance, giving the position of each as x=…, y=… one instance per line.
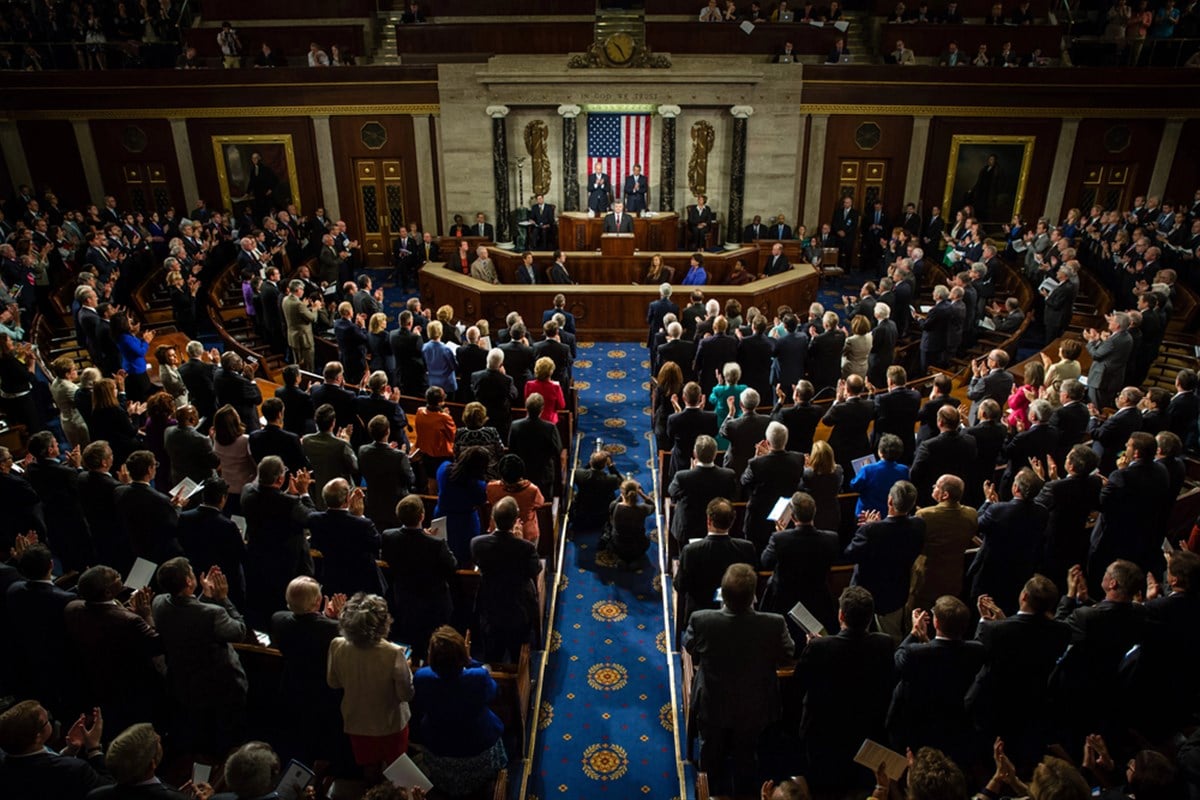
x=635, y=191
x=541, y=214
x=599, y=190
x=700, y=219
x=618, y=221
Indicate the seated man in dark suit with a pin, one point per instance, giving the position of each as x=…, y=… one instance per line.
x=507, y=599
x=846, y=681
x=934, y=675
x=883, y=552
x=274, y=439
x=690, y=487
x=419, y=569
x=348, y=541
x=735, y=694
x=302, y=634
x=1009, y=697
x=703, y=562
x=31, y=770
x=387, y=472
x=211, y=539
x=801, y=556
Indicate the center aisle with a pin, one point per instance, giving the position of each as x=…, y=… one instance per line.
x=606, y=723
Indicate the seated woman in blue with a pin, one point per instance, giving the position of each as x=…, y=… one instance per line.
x=874, y=481
x=464, y=749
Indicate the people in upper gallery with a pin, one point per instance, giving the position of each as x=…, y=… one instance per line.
x=711, y=12
x=839, y=53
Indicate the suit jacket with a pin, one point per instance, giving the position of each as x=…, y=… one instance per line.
x=1013, y=534
x=1071, y=422
x=275, y=441
x=1020, y=651
x=198, y=635
x=801, y=420
x=612, y=225
x=1069, y=502
x=1182, y=413
x=824, y=361
x=690, y=491
x=1101, y=634
x=191, y=454
x=559, y=274
x=896, y=413
x=518, y=363
x=538, y=444
x=791, y=350
x=883, y=553
x=298, y=318
x=712, y=354
x=331, y=457
x=702, y=563
x=557, y=352
x=64, y=516
x=697, y=215
x=776, y=265
x=496, y=391
x=1035, y=442
x=850, y=420
x=149, y=520
x=655, y=313
x=683, y=427
x=304, y=639
x=276, y=550
x=484, y=229
x=470, y=358
x=200, y=380
x=743, y=434
x=766, y=479
x=1135, y=505
x=342, y=399
x=49, y=776
x=209, y=538
x=634, y=194
x=935, y=328
x=507, y=599
x=681, y=352
x=927, y=706
x=352, y=347
x=298, y=411
x=995, y=385
x=243, y=394
x=543, y=214
x=1110, y=357
x=599, y=191
x=949, y=453
x=730, y=691
x=801, y=558
x=846, y=221
x=418, y=572
x=389, y=476
x=140, y=791
x=1059, y=305
x=119, y=648
x=755, y=353
x=350, y=546
x=411, y=375
x=1110, y=435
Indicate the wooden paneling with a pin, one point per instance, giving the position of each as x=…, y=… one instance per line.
x=892, y=149
x=238, y=11
x=287, y=41
x=108, y=136
x=482, y=39
x=54, y=161
x=1092, y=146
x=970, y=9
x=766, y=40
x=201, y=131
x=603, y=311
x=941, y=131
x=490, y=8
x=346, y=134
x=1185, y=172
x=931, y=40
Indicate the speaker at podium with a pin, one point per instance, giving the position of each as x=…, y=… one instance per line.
x=616, y=244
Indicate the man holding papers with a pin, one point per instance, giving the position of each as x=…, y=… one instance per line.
x=735, y=694
x=801, y=556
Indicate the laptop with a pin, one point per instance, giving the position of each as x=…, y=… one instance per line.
x=785, y=59
x=787, y=16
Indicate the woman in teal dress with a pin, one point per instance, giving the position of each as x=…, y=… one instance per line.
x=729, y=387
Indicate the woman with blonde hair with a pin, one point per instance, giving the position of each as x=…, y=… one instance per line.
x=1024, y=394
x=440, y=364
x=823, y=481
x=445, y=315
x=550, y=390
x=1066, y=368
x=63, y=390
x=378, y=345
x=111, y=419
x=856, y=350
x=376, y=682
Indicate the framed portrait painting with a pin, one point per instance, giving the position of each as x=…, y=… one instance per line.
x=256, y=170
x=989, y=174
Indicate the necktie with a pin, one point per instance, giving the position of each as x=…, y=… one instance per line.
x=780, y=231
x=618, y=220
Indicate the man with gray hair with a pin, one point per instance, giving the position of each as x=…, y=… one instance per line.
x=677, y=350
x=691, y=489
x=935, y=329
x=199, y=375
x=495, y=389
x=299, y=315
x=1013, y=534
x=1110, y=353
x=744, y=432
x=348, y=541
x=1023, y=446
x=771, y=474
x=482, y=268
x=252, y=770
x=883, y=551
x=657, y=311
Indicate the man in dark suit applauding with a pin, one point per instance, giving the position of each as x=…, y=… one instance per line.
x=989, y=380
x=1013, y=533
x=685, y=425
x=599, y=190
x=690, y=487
x=774, y=472
x=735, y=694
x=699, y=220
x=507, y=600
x=635, y=191
x=419, y=568
x=883, y=552
x=618, y=221
x=703, y=562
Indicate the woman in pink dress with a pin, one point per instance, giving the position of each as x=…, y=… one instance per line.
x=549, y=389
x=1024, y=394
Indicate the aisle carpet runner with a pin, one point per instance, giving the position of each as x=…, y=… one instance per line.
x=606, y=725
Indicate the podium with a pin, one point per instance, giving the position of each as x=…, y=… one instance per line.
x=616, y=244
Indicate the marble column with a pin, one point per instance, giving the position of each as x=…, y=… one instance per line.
x=425, y=188
x=737, y=174
x=570, y=158
x=819, y=127
x=1057, y=188
x=917, y=148
x=326, y=171
x=87, y=154
x=1166, y=157
x=183, y=157
x=500, y=170
x=14, y=154
x=666, y=173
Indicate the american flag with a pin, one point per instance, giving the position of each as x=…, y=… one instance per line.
x=618, y=141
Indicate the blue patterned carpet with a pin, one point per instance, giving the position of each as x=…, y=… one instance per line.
x=606, y=724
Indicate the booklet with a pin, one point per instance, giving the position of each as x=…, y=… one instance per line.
x=140, y=574
x=782, y=512
x=858, y=463
x=188, y=486
x=804, y=618
x=241, y=524
x=872, y=754
x=404, y=773
x=295, y=779
x=438, y=528
x=201, y=773
x=747, y=27
x=1048, y=285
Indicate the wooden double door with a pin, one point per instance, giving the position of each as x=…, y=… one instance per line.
x=379, y=198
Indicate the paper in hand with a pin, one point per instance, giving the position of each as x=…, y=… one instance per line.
x=782, y=512
x=807, y=622
x=140, y=574
x=438, y=528
x=187, y=486
x=201, y=773
x=404, y=773
x=1167, y=547
x=295, y=779
x=872, y=754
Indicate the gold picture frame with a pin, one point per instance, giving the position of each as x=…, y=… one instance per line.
x=232, y=156
x=996, y=196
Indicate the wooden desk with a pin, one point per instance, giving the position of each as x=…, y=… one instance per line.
x=590, y=267
x=1018, y=369
x=578, y=231
x=603, y=311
